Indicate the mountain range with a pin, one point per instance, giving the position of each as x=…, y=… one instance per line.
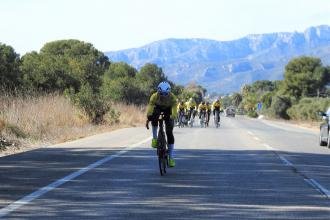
x=224, y=66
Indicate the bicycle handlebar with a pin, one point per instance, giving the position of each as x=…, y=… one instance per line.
x=160, y=116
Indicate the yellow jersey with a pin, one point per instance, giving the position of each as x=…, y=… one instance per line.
x=191, y=104
x=216, y=105
x=202, y=107
x=163, y=102
x=181, y=107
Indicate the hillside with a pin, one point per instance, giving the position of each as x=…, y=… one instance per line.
x=224, y=66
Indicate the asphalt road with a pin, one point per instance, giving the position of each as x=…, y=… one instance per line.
x=246, y=169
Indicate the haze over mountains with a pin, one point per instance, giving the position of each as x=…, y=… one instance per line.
x=224, y=66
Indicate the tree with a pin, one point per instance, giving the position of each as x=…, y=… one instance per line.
x=236, y=99
x=120, y=84
x=64, y=64
x=10, y=76
x=149, y=76
x=262, y=86
x=304, y=76
x=120, y=69
x=196, y=91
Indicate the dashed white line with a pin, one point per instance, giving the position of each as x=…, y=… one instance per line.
x=36, y=194
x=256, y=138
x=311, y=182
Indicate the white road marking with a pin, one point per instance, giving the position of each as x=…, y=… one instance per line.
x=319, y=187
x=285, y=161
x=311, y=182
x=36, y=194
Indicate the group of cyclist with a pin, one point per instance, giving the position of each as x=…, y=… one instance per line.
x=190, y=108
x=164, y=101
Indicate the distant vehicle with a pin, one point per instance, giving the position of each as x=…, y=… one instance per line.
x=230, y=111
x=325, y=129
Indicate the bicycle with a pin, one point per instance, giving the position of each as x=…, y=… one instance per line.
x=182, y=119
x=207, y=119
x=217, y=118
x=162, y=149
x=191, y=116
x=202, y=119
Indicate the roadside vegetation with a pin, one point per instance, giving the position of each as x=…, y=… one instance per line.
x=303, y=92
x=69, y=89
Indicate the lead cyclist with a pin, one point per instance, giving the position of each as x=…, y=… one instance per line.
x=163, y=101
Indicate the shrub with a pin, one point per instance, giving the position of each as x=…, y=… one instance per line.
x=307, y=108
x=91, y=103
x=252, y=114
x=279, y=106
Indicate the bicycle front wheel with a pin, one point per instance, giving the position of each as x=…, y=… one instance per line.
x=161, y=151
x=162, y=166
x=162, y=162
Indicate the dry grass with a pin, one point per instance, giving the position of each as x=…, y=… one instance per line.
x=2, y=124
x=130, y=115
x=50, y=119
x=40, y=119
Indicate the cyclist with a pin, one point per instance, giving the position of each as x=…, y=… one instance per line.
x=208, y=107
x=216, y=108
x=163, y=101
x=181, y=109
x=191, y=107
x=201, y=107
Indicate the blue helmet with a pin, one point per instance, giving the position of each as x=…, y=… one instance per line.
x=164, y=88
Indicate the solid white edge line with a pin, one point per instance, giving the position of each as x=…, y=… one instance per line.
x=286, y=162
x=36, y=194
x=250, y=133
x=319, y=187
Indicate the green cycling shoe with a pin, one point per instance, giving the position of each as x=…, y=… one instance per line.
x=154, y=143
x=171, y=162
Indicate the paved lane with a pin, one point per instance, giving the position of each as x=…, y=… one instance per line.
x=299, y=146
x=225, y=173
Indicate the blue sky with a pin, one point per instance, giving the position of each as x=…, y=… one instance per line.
x=112, y=25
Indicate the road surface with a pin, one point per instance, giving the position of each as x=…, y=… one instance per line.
x=246, y=169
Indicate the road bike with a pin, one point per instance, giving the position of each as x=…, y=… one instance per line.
x=191, y=119
x=162, y=148
x=207, y=119
x=202, y=118
x=217, y=118
x=182, y=119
